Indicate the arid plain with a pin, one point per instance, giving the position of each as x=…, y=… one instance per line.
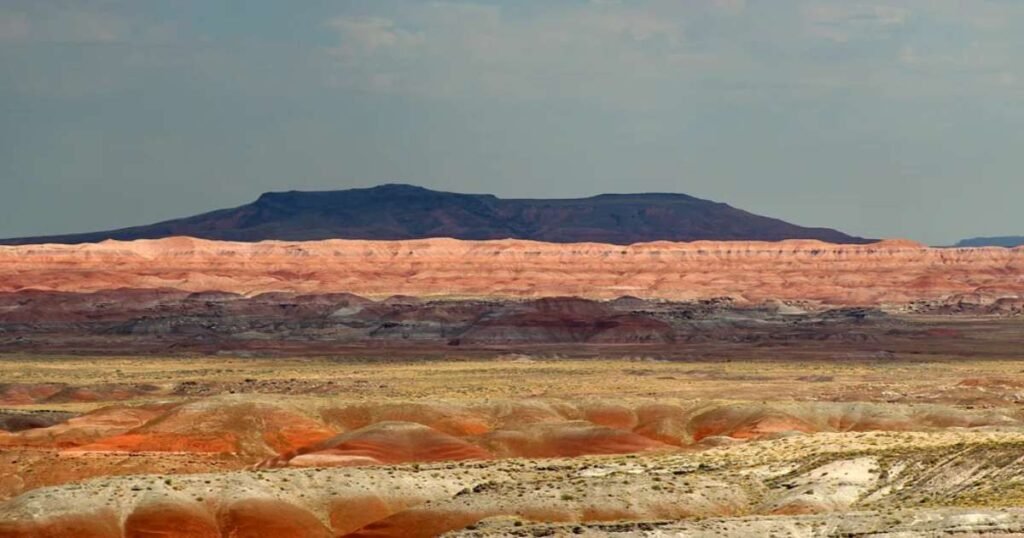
x=717, y=406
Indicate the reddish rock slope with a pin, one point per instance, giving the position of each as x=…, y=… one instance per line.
x=884, y=272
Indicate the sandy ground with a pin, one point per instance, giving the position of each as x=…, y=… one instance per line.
x=757, y=473
x=851, y=377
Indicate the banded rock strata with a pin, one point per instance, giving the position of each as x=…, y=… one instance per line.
x=887, y=272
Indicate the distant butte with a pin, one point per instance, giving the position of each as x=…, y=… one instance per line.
x=1008, y=241
x=399, y=212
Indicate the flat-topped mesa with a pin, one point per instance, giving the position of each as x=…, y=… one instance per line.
x=886, y=272
x=400, y=212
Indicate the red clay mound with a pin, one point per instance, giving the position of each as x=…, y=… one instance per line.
x=752, y=421
x=567, y=439
x=745, y=422
x=87, y=428
x=103, y=524
x=228, y=425
x=515, y=414
x=387, y=442
x=264, y=518
x=27, y=393
x=571, y=504
x=163, y=442
x=610, y=415
x=422, y=523
x=354, y=513
x=667, y=423
x=169, y=519
x=101, y=393
x=287, y=434
x=450, y=419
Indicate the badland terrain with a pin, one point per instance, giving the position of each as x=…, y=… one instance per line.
x=497, y=385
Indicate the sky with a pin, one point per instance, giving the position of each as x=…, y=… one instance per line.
x=880, y=119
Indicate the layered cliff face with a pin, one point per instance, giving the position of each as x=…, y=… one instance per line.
x=887, y=272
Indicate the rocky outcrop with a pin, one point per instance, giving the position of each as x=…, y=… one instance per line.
x=888, y=272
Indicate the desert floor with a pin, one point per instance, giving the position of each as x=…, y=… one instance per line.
x=793, y=442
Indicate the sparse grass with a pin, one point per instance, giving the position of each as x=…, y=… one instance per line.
x=470, y=380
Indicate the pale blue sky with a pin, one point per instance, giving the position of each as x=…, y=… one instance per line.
x=882, y=119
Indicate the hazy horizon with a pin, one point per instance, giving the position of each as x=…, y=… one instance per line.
x=878, y=119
